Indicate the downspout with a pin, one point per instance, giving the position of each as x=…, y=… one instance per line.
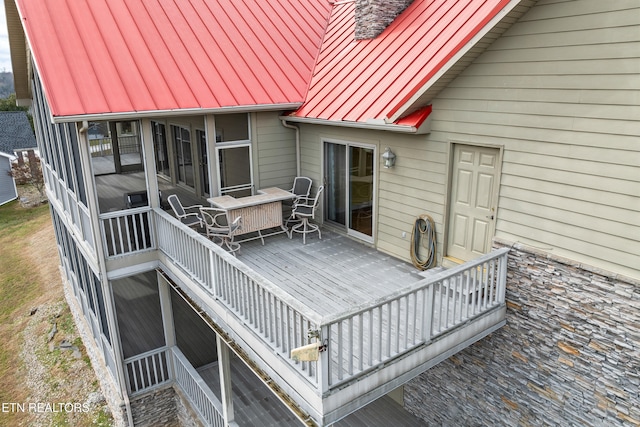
x=297, y=129
x=101, y=261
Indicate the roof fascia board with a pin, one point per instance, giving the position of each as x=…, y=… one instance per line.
x=19, y=49
x=136, y=115
x=455, y=58
x=360, y=125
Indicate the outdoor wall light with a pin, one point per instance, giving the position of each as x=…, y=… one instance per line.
x=389, y=158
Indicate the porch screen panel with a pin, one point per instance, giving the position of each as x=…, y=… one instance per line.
x=235, y=171
x=77, y=165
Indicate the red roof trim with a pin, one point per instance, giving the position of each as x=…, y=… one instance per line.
x=415, y=119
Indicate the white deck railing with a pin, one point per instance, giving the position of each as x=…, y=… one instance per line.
x=269, y=312
x=365, y=339
x=198, y=392
x=359, y=341
x=148, y=370
x=127, y=232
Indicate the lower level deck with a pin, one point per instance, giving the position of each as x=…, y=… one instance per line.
x=255, y=405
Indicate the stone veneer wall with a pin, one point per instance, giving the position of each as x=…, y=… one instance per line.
x=165, y=407
x=156, y=408
x=569, y=354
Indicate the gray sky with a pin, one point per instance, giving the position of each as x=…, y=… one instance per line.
x=5, y=57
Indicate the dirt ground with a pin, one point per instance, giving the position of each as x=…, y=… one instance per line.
x=56, y=369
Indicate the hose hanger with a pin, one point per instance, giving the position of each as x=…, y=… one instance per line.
x=423, y=235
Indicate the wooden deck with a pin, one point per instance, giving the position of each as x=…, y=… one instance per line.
x=382, y=320
x=329, y=275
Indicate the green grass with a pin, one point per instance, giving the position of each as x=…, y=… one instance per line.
x=20, y=284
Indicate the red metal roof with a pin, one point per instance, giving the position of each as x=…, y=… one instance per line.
x=374, y=79
x=122, y=56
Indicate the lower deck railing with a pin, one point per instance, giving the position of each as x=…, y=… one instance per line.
x=148, y=370
x=197, y=391
x=164, y=366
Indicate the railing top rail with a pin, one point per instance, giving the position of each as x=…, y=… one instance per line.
x=124, y=212
x=265, y=283
x=193, y=373
x=429, y=281
x=146, y=354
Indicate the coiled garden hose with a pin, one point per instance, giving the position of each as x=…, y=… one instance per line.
x=423, y=234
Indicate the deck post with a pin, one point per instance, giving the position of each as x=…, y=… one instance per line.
x=322, y=365
x=224, y=366
x=167, y=310
x=502, y=277
x=149, y=163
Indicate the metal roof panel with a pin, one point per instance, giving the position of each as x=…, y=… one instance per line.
x=123, y=56
x=360, y=80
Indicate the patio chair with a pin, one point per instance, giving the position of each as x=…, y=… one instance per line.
x=217, y=227
x=304, y=210
x=188, y=215
x=301, y=188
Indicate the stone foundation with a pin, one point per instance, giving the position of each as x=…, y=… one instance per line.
x=157, y=408
x=569, y=354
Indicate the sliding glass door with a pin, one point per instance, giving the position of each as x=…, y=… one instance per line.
x=184, y=158
x=349, y=171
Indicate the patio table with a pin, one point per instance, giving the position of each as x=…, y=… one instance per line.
x=259, y=212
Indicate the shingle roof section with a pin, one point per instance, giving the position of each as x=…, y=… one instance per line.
x=15, y=132
x=119, y=56
x=364, y=80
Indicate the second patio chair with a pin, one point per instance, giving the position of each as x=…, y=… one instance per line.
x=301, y=189
x=304, y=210
x=218, y=228
x=188, y=215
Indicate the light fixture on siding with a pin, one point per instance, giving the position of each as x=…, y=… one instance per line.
x=389, y=158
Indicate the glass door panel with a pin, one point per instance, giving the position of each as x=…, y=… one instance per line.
x=204, y=162
x=182, y=144
x=336, y=179
x=349, y=188
x=361, y=190
x=160, y=148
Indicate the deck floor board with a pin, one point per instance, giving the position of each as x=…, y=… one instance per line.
x=331, y=274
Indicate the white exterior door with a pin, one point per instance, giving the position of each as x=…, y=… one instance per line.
x=473, y=200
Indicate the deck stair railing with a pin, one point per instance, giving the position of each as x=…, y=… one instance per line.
x=198, y=392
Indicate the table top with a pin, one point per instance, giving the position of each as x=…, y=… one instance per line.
x=265, y=195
